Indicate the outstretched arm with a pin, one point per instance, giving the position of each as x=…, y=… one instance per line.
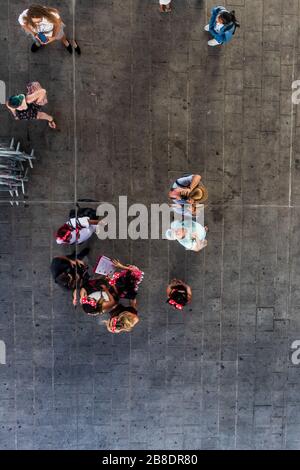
x=195, y=181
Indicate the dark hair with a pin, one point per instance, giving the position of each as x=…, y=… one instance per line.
x=179, y=295
x=65, y=280
x=126, y=285
x=229, y=17
x=87, y=308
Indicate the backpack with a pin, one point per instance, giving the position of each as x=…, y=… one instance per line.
x=83, y=212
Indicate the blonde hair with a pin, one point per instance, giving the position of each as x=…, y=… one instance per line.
x=39, y=11
x=125, y=322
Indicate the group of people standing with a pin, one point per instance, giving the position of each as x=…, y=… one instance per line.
x=105, y=293
x=97, y=294
x=100, y=294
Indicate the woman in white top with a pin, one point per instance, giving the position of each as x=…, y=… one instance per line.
x=165, y=6
x=96, y=297
x=76, y=231
x=46, y=26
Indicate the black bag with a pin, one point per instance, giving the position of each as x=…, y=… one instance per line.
x=83, y=212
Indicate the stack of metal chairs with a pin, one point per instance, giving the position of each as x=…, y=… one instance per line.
x=14, y=165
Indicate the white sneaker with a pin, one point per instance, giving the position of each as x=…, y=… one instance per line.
x=206, y=28
x=213, y=42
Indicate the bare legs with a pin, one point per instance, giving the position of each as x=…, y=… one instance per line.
x=65, y=41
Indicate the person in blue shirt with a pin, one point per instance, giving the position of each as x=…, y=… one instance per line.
x=222, y=26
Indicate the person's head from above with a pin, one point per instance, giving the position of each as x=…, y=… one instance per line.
x=175, y=234
x=17, y=102
x=66, y=280
x=227, y=17
x=64, y=234
x=36, y=13
x=197, y=195
x=122, y=323
x=126, y=282
x=91, y=306
x=178, y=297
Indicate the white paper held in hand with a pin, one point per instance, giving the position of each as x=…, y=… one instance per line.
x=105, y=266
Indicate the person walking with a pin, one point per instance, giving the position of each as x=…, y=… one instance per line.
x=179, y=294
x=189, y=234
x=28, y=106
x=45, y=25
x=222, y=26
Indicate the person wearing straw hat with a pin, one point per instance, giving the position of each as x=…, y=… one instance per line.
x=188, y=190
x=165, y=6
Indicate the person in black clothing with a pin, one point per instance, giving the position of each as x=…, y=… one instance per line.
x=70, y=272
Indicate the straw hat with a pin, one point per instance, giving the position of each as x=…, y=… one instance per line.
x=199, y=194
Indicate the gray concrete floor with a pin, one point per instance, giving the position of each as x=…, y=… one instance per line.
x=152, y=101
